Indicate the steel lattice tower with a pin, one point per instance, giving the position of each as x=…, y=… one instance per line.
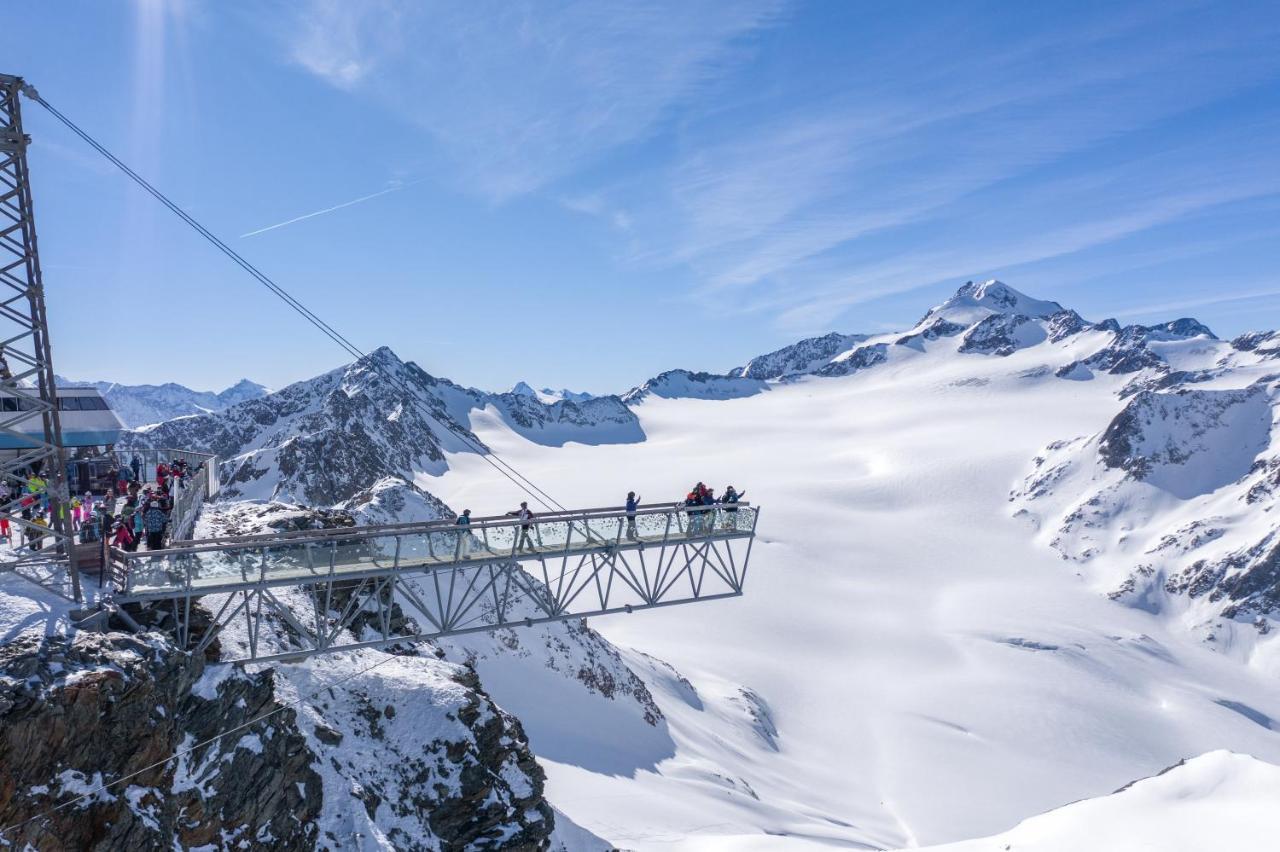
x=26, y=364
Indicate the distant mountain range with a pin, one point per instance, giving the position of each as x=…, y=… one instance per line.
x=140, y=405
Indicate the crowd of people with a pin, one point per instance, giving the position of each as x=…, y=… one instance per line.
x=701, y=503
x=128, y=514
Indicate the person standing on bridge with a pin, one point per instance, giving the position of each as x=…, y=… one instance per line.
x=138, y=531
x=464, y=537
x=633, y=503
x=693, y=509
x=730, y=500
x=526, y=521
x=123, y=537
x=154, y=520
x=135, y=464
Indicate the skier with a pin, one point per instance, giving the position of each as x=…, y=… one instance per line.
x=526, y=518
x=135, y=464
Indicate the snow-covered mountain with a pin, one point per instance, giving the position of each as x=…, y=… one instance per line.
x=140, y=405
x=988, y=319
x=324, y=440
x=1009, y=558
x=680, y=384
x=548, y=395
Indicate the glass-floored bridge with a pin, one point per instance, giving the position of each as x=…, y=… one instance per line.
x=376, y=586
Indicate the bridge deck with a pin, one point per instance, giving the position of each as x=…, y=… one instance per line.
x=288, y=559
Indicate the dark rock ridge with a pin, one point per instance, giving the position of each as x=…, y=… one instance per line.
x=80, y=713
x=1265, y=343
x=1000, y=334
x=686, y=384
x=798, y=358
x=860, y=359
x=1246, y=581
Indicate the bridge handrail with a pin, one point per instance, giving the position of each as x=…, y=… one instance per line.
x=152, y=456
x=386, y=530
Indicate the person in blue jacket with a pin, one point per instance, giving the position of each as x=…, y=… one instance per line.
x=633, y=503
x=464, y=537
x=730, y=499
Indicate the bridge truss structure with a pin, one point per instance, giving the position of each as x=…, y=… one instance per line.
x=295, y=595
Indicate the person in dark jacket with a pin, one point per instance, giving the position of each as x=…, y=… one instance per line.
x=526, y=521
x=730, y=499
x=693, y=508
x=633, y=503
x=154, y=520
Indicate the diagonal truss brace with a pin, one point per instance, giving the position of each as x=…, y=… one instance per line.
x=412, y=605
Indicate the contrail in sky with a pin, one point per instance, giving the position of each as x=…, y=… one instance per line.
x=331, y=209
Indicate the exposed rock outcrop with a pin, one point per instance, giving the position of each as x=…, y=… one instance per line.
x=77, y=714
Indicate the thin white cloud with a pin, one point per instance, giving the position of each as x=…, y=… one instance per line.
x=316, y=213
x=1166, y=308
x=950, y=165
x=522, y=92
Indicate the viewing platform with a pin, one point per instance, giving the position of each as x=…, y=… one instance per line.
x=498, y=571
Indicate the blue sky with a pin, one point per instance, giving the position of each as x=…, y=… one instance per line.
x=584, y=194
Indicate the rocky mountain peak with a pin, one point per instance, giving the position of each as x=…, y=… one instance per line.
x=242, y=391
x=974, y=302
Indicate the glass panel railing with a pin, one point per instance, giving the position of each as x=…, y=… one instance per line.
x=316, y=555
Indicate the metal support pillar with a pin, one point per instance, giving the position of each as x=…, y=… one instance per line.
x=26, y=363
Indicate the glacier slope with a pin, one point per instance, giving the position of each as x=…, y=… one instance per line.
x=1215, y=801
x=933, y=673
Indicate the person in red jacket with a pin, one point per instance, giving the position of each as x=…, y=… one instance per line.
x=123, y=538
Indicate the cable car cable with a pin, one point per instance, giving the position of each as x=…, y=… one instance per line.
x=488, y=454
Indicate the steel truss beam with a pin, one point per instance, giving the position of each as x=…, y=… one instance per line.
x=411, y=604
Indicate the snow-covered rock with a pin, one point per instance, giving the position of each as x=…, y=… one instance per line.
x=973, y=303
x=806, y=356
x=683, y=384
x=549, y=395
x=1168, y=504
